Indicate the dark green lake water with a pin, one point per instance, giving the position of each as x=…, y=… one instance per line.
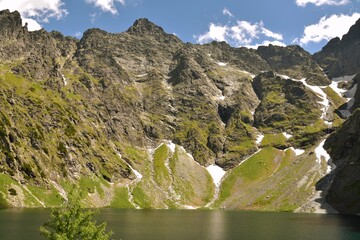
x=195, y=224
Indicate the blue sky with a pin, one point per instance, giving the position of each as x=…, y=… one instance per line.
x=309, y=23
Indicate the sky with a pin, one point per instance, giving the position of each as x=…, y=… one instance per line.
x=249, y=23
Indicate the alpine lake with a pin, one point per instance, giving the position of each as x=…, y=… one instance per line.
x=18, y=224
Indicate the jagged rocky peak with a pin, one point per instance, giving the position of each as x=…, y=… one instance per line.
x=341, y=57
x=332, y=44
x=353, y=34
x=144, y=26
x=10, y=19
x=10, y=24
x=94, y=31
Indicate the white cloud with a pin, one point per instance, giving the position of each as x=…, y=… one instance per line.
x=32, y=24
x=328, y=28
x=35, y=11
x=215, y=33
x=303, y=3
x=244, y=32
x=227, y=12
x=106, y=5
x=271, y=34
x=267, y=43
x=240, y=34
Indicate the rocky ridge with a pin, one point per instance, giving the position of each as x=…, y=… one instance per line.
x=340, y=57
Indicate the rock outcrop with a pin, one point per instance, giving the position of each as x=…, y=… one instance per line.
x=344, y=149
x=341, y=57
x=294, y=62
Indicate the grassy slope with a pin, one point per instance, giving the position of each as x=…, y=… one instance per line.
x=270, y=180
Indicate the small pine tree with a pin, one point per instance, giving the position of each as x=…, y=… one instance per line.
x=73, y=223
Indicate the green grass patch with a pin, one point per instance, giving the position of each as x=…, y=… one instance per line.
x=256, y=168
x=51, y=198
x=243, y=147
x=287, y=159
x=91, y=185
x=162, y=176
x=3, y=202
x=140, y=198
x=277, y=140
x=121, y=199
x=334, y=97
x=134, y=154
x=274, y=98
x=260, y=165
x=305, y=136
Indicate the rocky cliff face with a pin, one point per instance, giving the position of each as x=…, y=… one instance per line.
x=140, y=119
x=344, y=149
x=341, y=57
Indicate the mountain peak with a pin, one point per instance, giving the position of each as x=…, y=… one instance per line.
x=340, y=56
x=144, y=26
x=10, y=19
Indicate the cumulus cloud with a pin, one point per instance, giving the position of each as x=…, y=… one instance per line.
x=328, y=28
x=227, y=12
x=303, y=3
x=33, y=25
x=106, y=5
x=35, y=11
x=242, y=33
x=215, y=33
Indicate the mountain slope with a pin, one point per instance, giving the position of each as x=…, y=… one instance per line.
x=137, y=119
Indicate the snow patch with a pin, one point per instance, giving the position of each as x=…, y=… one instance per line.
x=340, y=91
x=141, y=75
x=216, y=173
x=287, y=135
x=297, y=151
x=259, y=138
x=283, y=76
x=222, y=64
x=246, y=72
x=320, y=153
x=335, y=87
x=64, y=79
x=137, y=174
x=221, y=98
x=171, y=146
